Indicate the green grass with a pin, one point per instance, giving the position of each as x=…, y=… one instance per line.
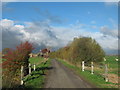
x=35, y=60
x=95, y=79
x=110, y=60
x=112, y=64
x=37, y=78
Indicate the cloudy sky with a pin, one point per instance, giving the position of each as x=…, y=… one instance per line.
x=55, y=24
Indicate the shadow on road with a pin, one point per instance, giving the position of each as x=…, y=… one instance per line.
x=44, y=68
x=40, y=71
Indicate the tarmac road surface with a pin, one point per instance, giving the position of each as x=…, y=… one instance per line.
x=62, y=77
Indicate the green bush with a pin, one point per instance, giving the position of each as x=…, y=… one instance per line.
x=81, y=49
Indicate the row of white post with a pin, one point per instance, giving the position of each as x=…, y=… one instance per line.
x=22, y=74
x=92, y=70
x=83, y=67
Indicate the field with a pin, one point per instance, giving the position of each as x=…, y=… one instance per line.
x=37, y=78
x=98, y=77
x=112, y=64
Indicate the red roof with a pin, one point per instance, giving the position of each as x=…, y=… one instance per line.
x=45, y=50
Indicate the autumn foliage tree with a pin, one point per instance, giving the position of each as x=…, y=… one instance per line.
x=83, y=48
x=87, y=49
x=16, y=58
x=19, y=56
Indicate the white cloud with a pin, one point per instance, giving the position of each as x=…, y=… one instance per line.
x=11, y=35
x=38, y=34
x=107, y=31
x=7, y=23
x=42, y=35
x=107, y=42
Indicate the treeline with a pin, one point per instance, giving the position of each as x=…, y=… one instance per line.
x=83, y=48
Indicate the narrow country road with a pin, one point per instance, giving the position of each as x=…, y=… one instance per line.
x=62, y=77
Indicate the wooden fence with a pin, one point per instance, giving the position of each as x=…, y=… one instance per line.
x=92, y=70
x=30, y=70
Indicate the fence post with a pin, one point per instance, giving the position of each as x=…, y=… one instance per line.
x=104, y=59
x=106, y=73
x=92, y=68
x=34, y=67
x=83, y=66
x=21, y=83
x=116, y=59
x=29, y=68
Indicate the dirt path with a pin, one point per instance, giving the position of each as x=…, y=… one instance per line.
x=62, y=77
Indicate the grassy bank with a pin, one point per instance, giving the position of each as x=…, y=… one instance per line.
x=37, y=77
x=112, y=64
x=95, y=79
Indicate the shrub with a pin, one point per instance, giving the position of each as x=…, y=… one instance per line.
x=16, y=58
x=83, y=48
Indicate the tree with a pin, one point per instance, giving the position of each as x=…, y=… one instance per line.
x=83, y=48
x=16, y=58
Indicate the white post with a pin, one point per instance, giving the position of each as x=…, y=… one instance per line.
x=21, y=75
x=116, y=59
x=29, y=68
x=106, y=73
x=104, y=59
x=91, y=67
x=83, y=66
x=34, y=67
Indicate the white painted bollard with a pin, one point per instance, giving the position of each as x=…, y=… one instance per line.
x=21, y=83
x=104, y=59
x=83, y=66
x=116, y=59
x=92, y=68
x=106, y=73
x=34, y=67
x=29, y=68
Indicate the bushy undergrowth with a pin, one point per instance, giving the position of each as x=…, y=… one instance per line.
x=12, y=64
x=80, y=49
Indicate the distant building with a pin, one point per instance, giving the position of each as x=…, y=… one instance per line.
x=45, y=52
x=33, y=55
